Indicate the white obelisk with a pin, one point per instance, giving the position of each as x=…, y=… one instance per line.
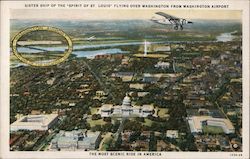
x=174, y=66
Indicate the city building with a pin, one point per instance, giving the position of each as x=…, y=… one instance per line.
x=99, y=95
x=140, y=145
x=76, y=140
x=162, y=65
x=151, y=78
x=172, y=134
x=197, y=122
x=142, y=94
x=162, y=48
x=34, y=122
x=106, y=110
x=161, y=145
x=125, y=76
x=146, y=110
x=126, y=109
x=139, y=86
x=125, y=61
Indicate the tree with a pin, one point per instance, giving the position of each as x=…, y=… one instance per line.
x=133, y=125
x=107, y=119
x=152, y=142
x=115, y=126
x=107, y=127
x=134, y=136
x=96, y=116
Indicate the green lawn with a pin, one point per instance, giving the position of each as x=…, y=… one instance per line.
x=93, y=110
x=107, y=139
x=212, y=129
x=162, y=112
x=96, y=122
x=148, y=122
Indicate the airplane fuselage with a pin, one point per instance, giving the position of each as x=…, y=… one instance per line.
x=169, y=20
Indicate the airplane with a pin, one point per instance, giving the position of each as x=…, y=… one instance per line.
x=90, y=38
x=171, y=20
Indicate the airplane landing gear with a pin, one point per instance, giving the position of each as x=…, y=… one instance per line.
x=177, y=27
x=181, y=27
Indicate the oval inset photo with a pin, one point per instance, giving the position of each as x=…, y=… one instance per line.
x=42, y=46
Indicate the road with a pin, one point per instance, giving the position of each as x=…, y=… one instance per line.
x=101, y=83
x=105, y=138
x=45, y=141
x=120, y=129
x=48, y=138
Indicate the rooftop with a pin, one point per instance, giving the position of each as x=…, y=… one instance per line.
x=195, y=122
x=107, y=106
x=147, y=107
x=81, y=138
x=29, y=120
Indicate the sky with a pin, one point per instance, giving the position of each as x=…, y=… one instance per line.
x=121, y=14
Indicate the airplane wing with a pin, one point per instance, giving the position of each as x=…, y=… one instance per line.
x=177, y=22
x=167, y=15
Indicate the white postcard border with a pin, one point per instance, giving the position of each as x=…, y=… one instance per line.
x=4, y=66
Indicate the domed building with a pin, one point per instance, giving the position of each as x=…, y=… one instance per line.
x=126, y=101
x=126, y=106
x=126, y=109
